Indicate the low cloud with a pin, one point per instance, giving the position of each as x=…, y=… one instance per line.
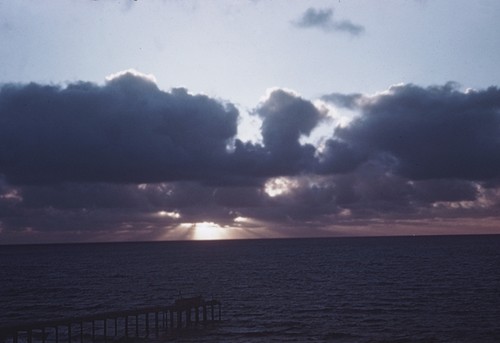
x=124, y=131
x=323, y=19
x=430, y=133
x=128, y=161
x=129, y=131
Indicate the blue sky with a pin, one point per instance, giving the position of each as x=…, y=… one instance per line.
x=236, y=50
x=327, y=85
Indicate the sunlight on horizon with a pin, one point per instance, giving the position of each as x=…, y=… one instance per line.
x=209, y=231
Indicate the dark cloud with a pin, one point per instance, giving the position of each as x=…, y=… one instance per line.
x=125, y=131
x=127, y=161
x=285, y=118
x=430, y=191
x=87, y=195
x=435, y=132
x=374, y=191
x=129, y=131
x=323, y=19
x=371, y=189
x=341, y=157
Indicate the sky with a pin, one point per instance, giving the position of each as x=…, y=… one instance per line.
x=172, y=120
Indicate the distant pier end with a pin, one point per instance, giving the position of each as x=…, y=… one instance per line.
x=110, y=326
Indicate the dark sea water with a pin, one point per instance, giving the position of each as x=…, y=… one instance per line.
x=391, y=289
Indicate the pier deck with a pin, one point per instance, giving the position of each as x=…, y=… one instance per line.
x=109, y=326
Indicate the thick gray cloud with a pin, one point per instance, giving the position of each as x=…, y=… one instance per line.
x=90, y=160
x=430, y=191
x=341, y=157
x=285, y=117
x=129, y=131
x=323, y=19
x=125, y=131
x=126, y=160
x=430, y=133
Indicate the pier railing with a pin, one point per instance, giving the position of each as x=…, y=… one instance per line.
x=110, y=326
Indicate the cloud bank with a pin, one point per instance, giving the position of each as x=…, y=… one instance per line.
x=429, y=133
x=125, y=131
x=126, y=160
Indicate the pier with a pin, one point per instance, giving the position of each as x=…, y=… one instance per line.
x=111, y=326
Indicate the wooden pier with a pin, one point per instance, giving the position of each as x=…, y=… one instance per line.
x=110, y=326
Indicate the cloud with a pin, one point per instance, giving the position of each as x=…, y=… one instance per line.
x=130, y=131
x=128, y=161
x=431, y=191
x=436, y=132
x=124, y=131
x=285, y=118
x=323, y=19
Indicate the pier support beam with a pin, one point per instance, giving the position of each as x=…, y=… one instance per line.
x=105, y=329
x=137, y=325
x=156, y=325
x=188, y=317
x=179, y=319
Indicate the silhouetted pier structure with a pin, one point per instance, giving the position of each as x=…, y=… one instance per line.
x=110, y=326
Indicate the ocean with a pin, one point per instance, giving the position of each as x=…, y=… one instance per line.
x=384, y=289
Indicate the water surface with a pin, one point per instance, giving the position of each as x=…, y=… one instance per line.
x=391, y=289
